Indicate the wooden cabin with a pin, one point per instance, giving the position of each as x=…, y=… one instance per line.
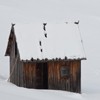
x=49, y=67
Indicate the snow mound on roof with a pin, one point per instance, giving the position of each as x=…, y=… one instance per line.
x=62, y=40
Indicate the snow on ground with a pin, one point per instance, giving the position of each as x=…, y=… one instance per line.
x=32, y=11
x=9, y=91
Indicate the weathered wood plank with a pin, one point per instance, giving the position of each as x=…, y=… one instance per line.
x=71, y=83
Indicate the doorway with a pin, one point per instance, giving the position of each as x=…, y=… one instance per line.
x=41, y=75
x=45, y=76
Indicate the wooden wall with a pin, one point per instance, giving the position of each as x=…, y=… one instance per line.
x=16, y=66
x=13, y=63
x=29, y=75
x=69, y=83
x=35, y=75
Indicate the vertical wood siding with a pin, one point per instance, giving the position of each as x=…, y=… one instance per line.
x=70, y=83
x=29, y=74
x=16, y=66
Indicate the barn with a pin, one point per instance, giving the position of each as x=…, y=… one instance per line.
x=46, y=56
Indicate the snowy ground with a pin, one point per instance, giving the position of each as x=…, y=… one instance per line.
x=32, y=11
x=9, y=91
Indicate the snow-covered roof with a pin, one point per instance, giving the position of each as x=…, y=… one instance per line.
x=62, y=40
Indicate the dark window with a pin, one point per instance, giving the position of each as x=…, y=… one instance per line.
x=64, y=71
x=15, y=49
